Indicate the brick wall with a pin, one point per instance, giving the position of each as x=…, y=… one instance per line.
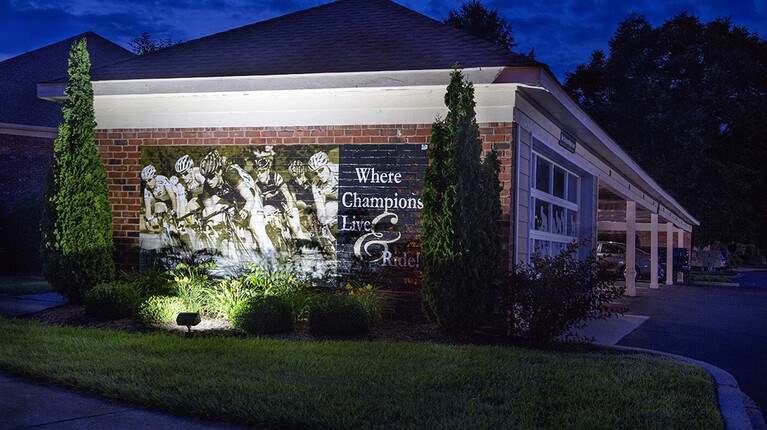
x=121, y=150
x=24, y=165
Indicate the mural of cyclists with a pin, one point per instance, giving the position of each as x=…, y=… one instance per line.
x=313, y=209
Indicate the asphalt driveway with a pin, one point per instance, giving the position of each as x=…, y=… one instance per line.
x=724, y=326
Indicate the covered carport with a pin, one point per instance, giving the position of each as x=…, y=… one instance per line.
x=642, y=223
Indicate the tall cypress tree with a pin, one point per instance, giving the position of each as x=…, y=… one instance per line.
x=459, y=234
x=77, y=226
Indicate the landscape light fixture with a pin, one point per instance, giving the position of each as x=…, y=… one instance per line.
x=188, y=319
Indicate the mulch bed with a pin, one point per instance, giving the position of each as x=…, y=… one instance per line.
x=75, y=316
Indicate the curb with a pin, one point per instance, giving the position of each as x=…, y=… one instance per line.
x=731, y=403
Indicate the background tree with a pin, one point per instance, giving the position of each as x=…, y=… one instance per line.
x=688, y=101
x=77, y=227
x=145, y=44
x=460, y=232
x=475, y=18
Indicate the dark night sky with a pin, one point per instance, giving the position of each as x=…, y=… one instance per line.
x=563, y=32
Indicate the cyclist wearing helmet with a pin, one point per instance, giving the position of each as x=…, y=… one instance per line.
x=274, y=190
x=228, y=180
x=159, y=192
x=325, y=188
x=192, y=181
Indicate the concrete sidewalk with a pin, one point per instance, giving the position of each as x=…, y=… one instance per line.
x=25, y=404
x=29, y=303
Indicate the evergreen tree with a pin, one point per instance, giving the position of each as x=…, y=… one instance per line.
x=688, y=101
x=475, y=18
x=77, y=226
x=460, y=231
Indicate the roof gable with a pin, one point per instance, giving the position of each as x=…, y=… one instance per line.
x=343, y=36
x=21, y=74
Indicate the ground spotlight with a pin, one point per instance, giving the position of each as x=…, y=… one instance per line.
x=188, y=319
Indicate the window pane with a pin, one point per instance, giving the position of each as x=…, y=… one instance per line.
x=559, y=182
x=572, y=223
x=542, y=247
x=558, y=220
x=542, y=172
x=542, y=216
x=572, y=188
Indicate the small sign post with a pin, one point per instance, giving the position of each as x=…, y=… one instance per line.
x=566, y=141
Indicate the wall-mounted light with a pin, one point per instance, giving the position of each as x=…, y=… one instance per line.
x=188, y=319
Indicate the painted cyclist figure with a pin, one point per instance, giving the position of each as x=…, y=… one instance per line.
x=274, y=190
x=159, y=193
x=226, y=180
x=192, y=182
x=323, y=182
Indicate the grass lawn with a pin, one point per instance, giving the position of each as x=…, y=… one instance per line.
x=365, y=384
x=709, y=277
x=14, y=285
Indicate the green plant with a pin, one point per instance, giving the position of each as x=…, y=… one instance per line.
x=373, y=301
x=77, y=239
x=460, y=230
x=111, y=300
x=150, y=283
x=283, y=284
x=223, y=297
x=159, y=310
x=191, y=283
x=263, y=315
x=337, y=315
x=551, y=296
x=744, y=254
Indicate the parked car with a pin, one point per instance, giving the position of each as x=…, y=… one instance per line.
x=680, y=258
x=612, y=256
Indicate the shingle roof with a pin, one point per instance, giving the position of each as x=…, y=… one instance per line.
x=21, y=74
x=342, y=36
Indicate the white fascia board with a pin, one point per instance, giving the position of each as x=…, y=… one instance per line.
x=640, y=226
x=229, y=84
x=559, y=104
x=623, y=158
x=52, y=91
x=533, y=117
x=344, y=106
x=28, y=130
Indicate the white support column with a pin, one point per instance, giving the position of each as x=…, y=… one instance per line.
x=680, y=238
x=631, y=219
x=654, y=251
x=669, y=253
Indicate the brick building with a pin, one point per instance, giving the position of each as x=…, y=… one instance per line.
x=336, y=104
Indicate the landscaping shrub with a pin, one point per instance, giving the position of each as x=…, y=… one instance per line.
x=283, y=284
x=191, y=283
x=111, y=300
x=552, y=296
x=263, y=315
x=334, y=315
x=160, y=310
x=223, y=297
x=150, y=283
x=371, y=300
